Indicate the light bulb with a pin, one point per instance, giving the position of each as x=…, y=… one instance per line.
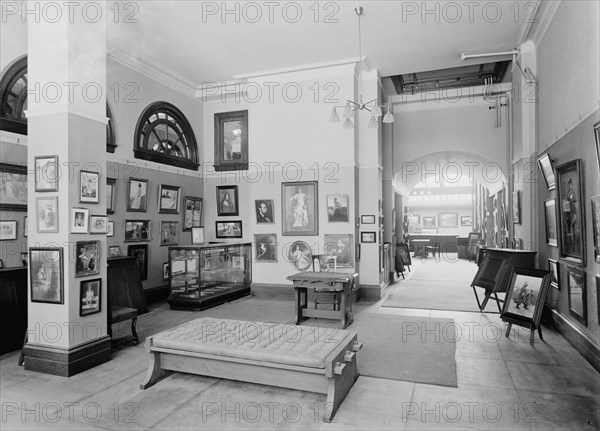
x=348, y=124
x=334, y=117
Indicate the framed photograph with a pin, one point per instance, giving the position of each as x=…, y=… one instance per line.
x=8, y=230
x=140, y=251
x=197, y=235
x=341, y=246
x=367, y=219
x=98, y=224
x=264, y=211
x=300, y=208
x=551, y=227
x=90, y=292
x=554, y=274
x=596, y=226
x=46, y=210
x=169, y=232
x=300, y=255
x=231, y=141
x=597, y=135
x=516, y=207
x=114, y=251
x=447, y=220
x=110, y=228
x=466, y=220
x=166, y=271
x=168, y=199
x=110, y=195
x=428, y=221
x=137, y=230
x=228, y=229
x=46, y=173
x=577, y=294
x=192, y=213
x=414, y=219
x=266, y=247
x=88, y=256
x=525, y=296
x=368, y=237
x=429, y=230
x=571, y=211
x=79, y=220
x=227, y=200
x=13, y=187
x=545, y=165
x=337, y=208
x=137, y=195
x=88, y=186
x=46, y=275
x=25, y=227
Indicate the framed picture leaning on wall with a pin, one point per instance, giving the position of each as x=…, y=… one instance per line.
x=576, y=284
x=545, y=165
x=571, y=211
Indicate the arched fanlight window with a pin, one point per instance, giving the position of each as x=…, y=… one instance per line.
x=13, y=90
x=13, y=93
x=164, y=135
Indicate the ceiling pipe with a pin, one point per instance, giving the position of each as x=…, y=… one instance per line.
x=527, y=74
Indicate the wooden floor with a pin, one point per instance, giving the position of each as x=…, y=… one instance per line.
x=502, y=384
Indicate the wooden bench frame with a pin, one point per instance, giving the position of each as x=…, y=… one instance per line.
x=335, y=380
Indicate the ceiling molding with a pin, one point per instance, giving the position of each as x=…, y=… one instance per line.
x=544, y=16
x=170, y=80
x=328, y=68
x=527, y=28
x=12, y=138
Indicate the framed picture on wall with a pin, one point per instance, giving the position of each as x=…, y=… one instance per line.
x=46, y=211
x=90, y=294
x=25, y=227
x=168, y=199
x=228, y=229
x=466, y=220
x=110, y=228
x=577, y=294
x=98, y=224
x=165, y=270
x=447, y=220
x=140, y=251
x=342, y=247
x=231, y=141
x=414, y=219
x=137, y=230
x=596, y=226
x=46, y=173
x=169, y=232
x=87, y=258
x=551, y=226
x=88, y=187
x=13, y=193
x=554, y=274
x=300, y=208
x=367, y=219
x=368, y=237
x=137, y=195
x=516, y=206
x=545, y=165
x=192, y=213
x=46, y=275
x=428, y=221
x=597, y=136
x=266, y=247
x=8, y=230
x=197, y=235
x=110, y=195
x=571, y=211
x=264, y=211
x=300, y=255
x=337, y=208
x=227, y=201
x=114, y=251
x=79, y=220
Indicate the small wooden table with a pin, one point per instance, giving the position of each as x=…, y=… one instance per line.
x=337, y=282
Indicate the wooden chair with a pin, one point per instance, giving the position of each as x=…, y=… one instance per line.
x=323, y=295
x=435, y=248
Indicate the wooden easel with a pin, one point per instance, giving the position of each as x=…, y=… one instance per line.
x=532, y=327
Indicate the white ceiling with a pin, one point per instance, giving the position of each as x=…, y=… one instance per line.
x=180, y=38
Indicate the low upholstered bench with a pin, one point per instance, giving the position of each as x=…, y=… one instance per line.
x=289, y=356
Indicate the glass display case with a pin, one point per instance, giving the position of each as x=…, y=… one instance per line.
x=204, y=276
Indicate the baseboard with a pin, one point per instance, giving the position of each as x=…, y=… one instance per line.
x=272, y=291
x=157, y=294
x=580, y=341
x=370, y=292
x=66, y=362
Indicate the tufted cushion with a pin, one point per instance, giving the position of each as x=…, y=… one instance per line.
x=268, y=342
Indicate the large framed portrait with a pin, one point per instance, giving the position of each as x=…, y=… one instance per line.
x=447, y=219
x=300, y=208
x=545, y=165
x=192, y=213
x=110, y=195
x=596, y=226
x=46, y=273
x=554, y=273
x=266, y=247
x=140, y=251
x=168, y=199
x=231, y=141
x=46, y=173
x=137, y=230
x=571, y=211
x=551, y=226
x=577, y=294
x=90, y=294
x=516, y=207
x=227, y=200
x=264, y=211
x=337, y=208
x=137, y=195
x=89, y=184
x=79, y=220
x=13, y=187
x=169, y=232
x=428, y=221
x=8, y=230
x=87, y=258
x=342, y=247
x=300, y=255
x=525, y=296
x=228, y=229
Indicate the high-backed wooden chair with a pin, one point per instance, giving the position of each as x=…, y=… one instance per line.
x=323, y=295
